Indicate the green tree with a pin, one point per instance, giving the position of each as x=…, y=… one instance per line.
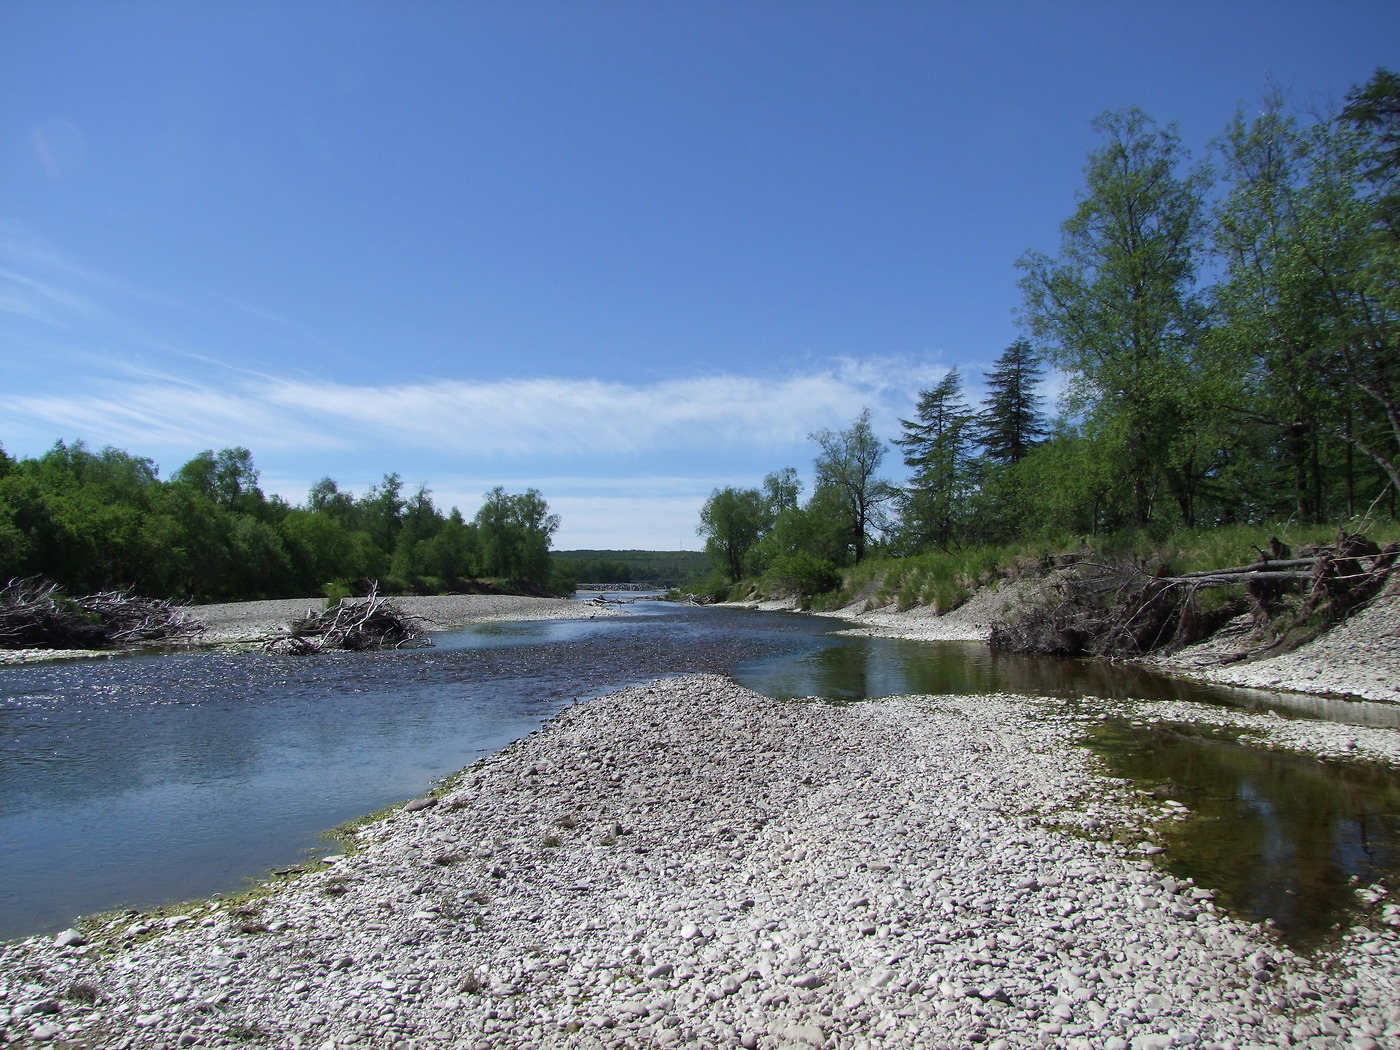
x=320, y=549
x=848, y=464
x=938, y=449
x=1011, y=422
x=1308, y=308
x=452, y=552
x=1117, y=310
x=1366, y=283
x=420, y=521
x=733, y=521
x=781, y=490
x=325, y=497
x=514, y=533
x=1269, y=333
x=380, y=512
x=229, y=478
x=259, y=566
x=1373, y=111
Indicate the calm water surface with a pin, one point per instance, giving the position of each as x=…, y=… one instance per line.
x=1281, y=837
x=139, y=781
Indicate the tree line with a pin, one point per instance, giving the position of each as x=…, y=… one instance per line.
x=93, y=521
x=1227, y=334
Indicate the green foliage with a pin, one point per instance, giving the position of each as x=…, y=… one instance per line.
x=513, y=536
x=733, y=521
x=847, y=468
x=100, y=521
x=665, y=569
x=1117, y=311
x=802, y=574
x=938, y=448
x=1011, y=422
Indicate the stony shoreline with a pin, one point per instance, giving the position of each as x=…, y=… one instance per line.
x=691, y=864
x=235, y=623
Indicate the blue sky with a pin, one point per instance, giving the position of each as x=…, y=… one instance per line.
x=623, y=253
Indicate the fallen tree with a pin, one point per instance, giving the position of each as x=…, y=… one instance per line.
x=36, y=614
x=1120, y=610
x=352, y=625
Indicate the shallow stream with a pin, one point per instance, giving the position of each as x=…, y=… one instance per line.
x=146, y=780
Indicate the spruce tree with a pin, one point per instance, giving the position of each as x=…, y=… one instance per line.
x=938, y=448
x=1011, y=423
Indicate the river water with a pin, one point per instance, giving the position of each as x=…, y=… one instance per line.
x=138, y=781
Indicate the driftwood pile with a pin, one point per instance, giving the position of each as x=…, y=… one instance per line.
x=352, y=625
x=1122, y=611
x=36, y=614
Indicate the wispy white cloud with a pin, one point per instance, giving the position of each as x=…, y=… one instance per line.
x=38, y=300
x=565, y=419
x=623, y=463
x=156, y=417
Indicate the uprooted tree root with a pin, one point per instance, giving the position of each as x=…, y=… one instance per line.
x=36, y=614
x=1121, y=611
x=352, y=625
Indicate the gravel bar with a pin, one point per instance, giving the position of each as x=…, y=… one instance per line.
x=236, y=621
x=688, y=863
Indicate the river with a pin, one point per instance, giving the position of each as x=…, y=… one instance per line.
x=137, y=781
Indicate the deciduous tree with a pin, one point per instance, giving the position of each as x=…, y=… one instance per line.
x=849, y=462
x=732, y=521
x=1117, y=309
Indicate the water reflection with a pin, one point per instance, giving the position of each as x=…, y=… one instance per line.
x=859, y=667
x=1280, y=837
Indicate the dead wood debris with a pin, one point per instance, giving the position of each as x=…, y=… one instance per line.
x=36, y=614
x=1119, y=610
x=353, y=625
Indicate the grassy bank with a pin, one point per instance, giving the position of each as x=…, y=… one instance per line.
x=943, y=580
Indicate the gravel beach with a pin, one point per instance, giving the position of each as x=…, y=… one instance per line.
x=236, y=621
x=691, y=864
x=241, y=622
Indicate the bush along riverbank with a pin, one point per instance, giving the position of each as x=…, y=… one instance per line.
x=687, y=863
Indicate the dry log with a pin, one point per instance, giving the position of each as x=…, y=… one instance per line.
x=1258, y=566
x=1232, y=578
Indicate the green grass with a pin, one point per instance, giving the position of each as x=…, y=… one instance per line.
x=945, y=580
x=937, y=579
x=1224, y=546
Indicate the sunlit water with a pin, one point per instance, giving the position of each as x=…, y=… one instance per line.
x=139, y=781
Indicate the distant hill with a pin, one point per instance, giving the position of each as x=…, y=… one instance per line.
x=662, y=568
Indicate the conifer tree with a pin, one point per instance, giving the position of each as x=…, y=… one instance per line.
x=938, y=448
x=1011, y=423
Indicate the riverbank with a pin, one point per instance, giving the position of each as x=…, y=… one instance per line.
x=234, y=623
x=1358, y=658
x=690, y=863
x=239, y=621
